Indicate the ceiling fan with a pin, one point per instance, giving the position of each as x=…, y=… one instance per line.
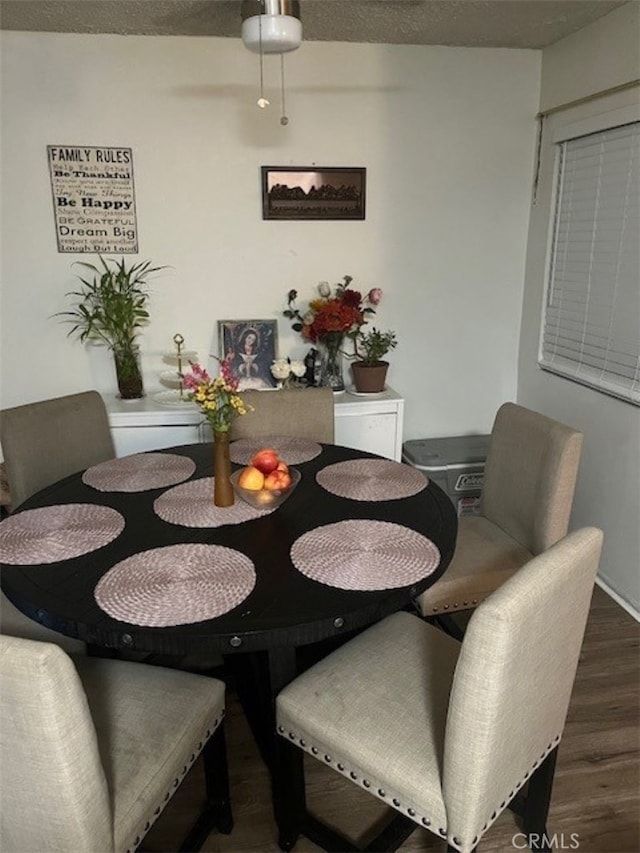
x=271, y=27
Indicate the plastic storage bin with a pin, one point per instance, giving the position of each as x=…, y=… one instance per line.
x=455, y=463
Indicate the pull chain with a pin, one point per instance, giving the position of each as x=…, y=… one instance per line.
x=262, y=101
x=284, y=120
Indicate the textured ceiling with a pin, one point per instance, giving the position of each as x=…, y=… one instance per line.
x=469, y=23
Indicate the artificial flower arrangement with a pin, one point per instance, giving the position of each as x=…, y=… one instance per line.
x=335, y=316
x=331, y=315
x=287, y=371
x=217, y=397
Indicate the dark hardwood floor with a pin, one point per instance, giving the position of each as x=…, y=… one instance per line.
x=595, y=806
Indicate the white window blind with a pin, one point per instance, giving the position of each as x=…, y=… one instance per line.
x=591, y=328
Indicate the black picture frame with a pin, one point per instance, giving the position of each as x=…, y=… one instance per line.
x=313, y=192
x=251, y=346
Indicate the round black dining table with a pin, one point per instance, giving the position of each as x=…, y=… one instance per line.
x=296, y=559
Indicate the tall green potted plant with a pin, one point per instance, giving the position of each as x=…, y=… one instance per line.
x=369, y=369
x=110, y=309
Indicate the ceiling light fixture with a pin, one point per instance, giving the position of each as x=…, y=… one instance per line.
x=274, y=27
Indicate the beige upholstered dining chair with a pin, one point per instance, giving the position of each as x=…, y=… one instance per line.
x=448, y=734
x=304, y=413
x=93, y=749
x=43, y=442
x=530, y=477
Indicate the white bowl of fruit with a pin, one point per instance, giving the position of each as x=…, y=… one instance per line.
x=266, y=481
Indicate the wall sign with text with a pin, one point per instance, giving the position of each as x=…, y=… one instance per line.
x=93, y=199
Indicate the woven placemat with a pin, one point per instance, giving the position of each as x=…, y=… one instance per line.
x=140, y=472
x=176, y=585
x=191, y=505
x=54, y=533
x=362, y=554
x=371, y=480
x=291, y=450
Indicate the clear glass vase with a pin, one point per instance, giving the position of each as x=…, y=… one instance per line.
x=331, y=375
x=128, y=373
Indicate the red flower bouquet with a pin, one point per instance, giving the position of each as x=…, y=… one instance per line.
x=329, y=319
x=342, y=313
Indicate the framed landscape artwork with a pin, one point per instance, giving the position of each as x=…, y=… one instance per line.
x=313, y=192
x=251, y=346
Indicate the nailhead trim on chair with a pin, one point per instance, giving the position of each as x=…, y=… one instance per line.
x=424, y=821
x=554, y=743
x=465, y=605
x=158, y=809
x=368, y=784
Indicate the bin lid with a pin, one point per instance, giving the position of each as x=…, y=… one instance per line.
x=441, y=453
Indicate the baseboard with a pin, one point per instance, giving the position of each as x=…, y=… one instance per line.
x=624, y=604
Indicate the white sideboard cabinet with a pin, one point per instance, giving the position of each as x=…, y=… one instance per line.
x=370, y=422
x=138, y=425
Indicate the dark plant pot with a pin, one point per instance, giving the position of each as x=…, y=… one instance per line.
x=128, y=373
x=369, y=378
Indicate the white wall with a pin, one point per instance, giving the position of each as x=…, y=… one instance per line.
x=447, y=136
x=603, y=55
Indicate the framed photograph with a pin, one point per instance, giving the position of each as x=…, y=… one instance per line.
x=313, y=192
x=251, y=346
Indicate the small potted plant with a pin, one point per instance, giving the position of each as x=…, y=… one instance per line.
x=369, y=369
x=110, y=309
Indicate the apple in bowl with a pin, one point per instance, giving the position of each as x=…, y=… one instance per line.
x=278, y=480
x=265, y=491
x=251, y=478
x=272, y=477
x=265, y=460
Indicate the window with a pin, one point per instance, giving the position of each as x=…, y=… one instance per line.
x=591, y=328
